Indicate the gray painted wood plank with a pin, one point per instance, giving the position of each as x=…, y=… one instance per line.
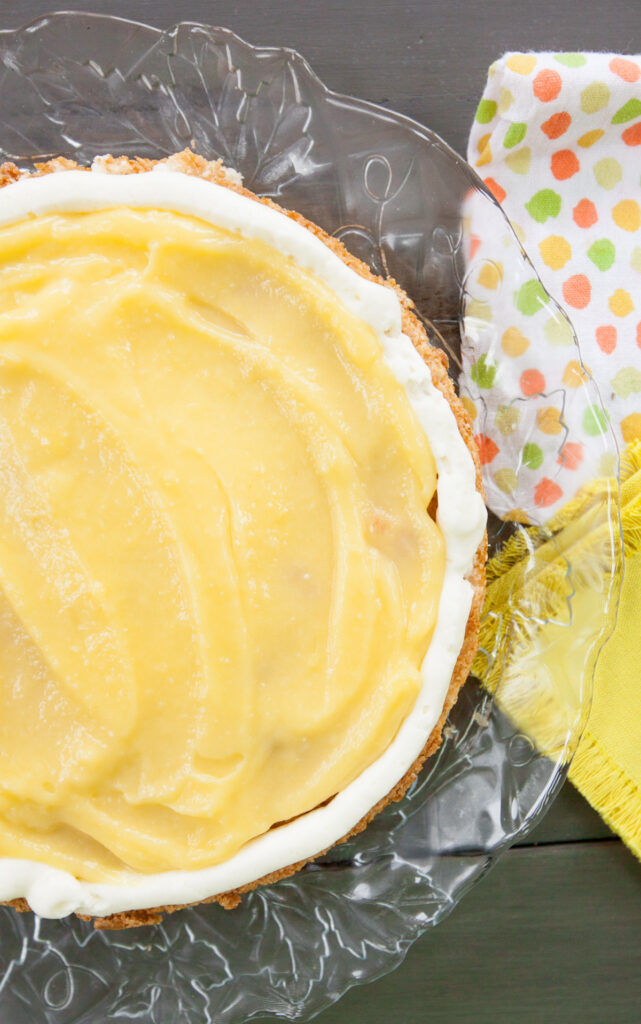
x=569, y=819
x=551, y=934
x=427, y=58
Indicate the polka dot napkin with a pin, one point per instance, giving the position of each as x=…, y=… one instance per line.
x=557, y=139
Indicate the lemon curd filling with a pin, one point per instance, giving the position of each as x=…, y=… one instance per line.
x=218, y=575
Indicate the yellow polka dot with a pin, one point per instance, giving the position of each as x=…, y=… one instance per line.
x=631, y=427
x=608, y=461
x=478, y=309
x=520, y=161
x=506, y=480
x=590, y=138
x=620, y=302
x=514, y=343
x=627, y=214
x=595, y=97
x=519, y=232
x=491, y=275
x=506, y=99
x=555, y=251
x=574, y=374
x=470, y=408
x=558, y=331
x=516, y=515
x=548, y=420
x=635, y=259
x=485, y=153
x=522, y=63
x=608, y=172
x=507, y=419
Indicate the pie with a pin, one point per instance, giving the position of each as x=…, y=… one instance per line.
x=242, y=539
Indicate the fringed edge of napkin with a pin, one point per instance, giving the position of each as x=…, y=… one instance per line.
x=609, y=790
x=530, y=589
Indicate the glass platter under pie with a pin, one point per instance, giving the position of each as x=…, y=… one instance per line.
x=81, y=85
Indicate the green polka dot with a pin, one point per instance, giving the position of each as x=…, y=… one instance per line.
x=530, y=297
x=544, y=204
x=485, y=111
x=627, y=382
x=608, y=172
x=594, y=421
x=595, y=97
x=635, y=259
x=506, y=99
x=627, y=112
x=514, y=134
x=484, y=372
x=506, y=480
x=602, y=253
x=571, y=60
x=519, y=162
x=558, y=332
x=532, y=456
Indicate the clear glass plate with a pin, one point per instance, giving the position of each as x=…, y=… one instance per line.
x=80, y=85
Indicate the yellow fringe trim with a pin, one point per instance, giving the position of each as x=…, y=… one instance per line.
x=535, y=584
x=610, y=791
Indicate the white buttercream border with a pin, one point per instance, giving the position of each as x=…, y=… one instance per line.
x=461, y=515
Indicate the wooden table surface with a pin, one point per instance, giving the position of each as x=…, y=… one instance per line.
x=554, y=932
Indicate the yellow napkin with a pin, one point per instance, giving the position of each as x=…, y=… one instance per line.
x=538, y=674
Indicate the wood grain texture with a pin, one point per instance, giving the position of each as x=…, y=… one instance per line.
x=570, y=819
x=426, y=58
x=553, y=933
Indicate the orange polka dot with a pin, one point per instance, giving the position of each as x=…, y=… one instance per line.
x=577, y=291
x=496, y=190
x=632, y=135
x=557, y=125
x=488, y=450
x=547, y=85
x=584, y=214
x=606, y=338
x=564, y=164
x=571, y=455
x=532, y=382
x=625, y=69
x=475, y=241
x=639, y=334
x=546, y=492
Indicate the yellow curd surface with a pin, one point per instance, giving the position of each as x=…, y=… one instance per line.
x=218, y=577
